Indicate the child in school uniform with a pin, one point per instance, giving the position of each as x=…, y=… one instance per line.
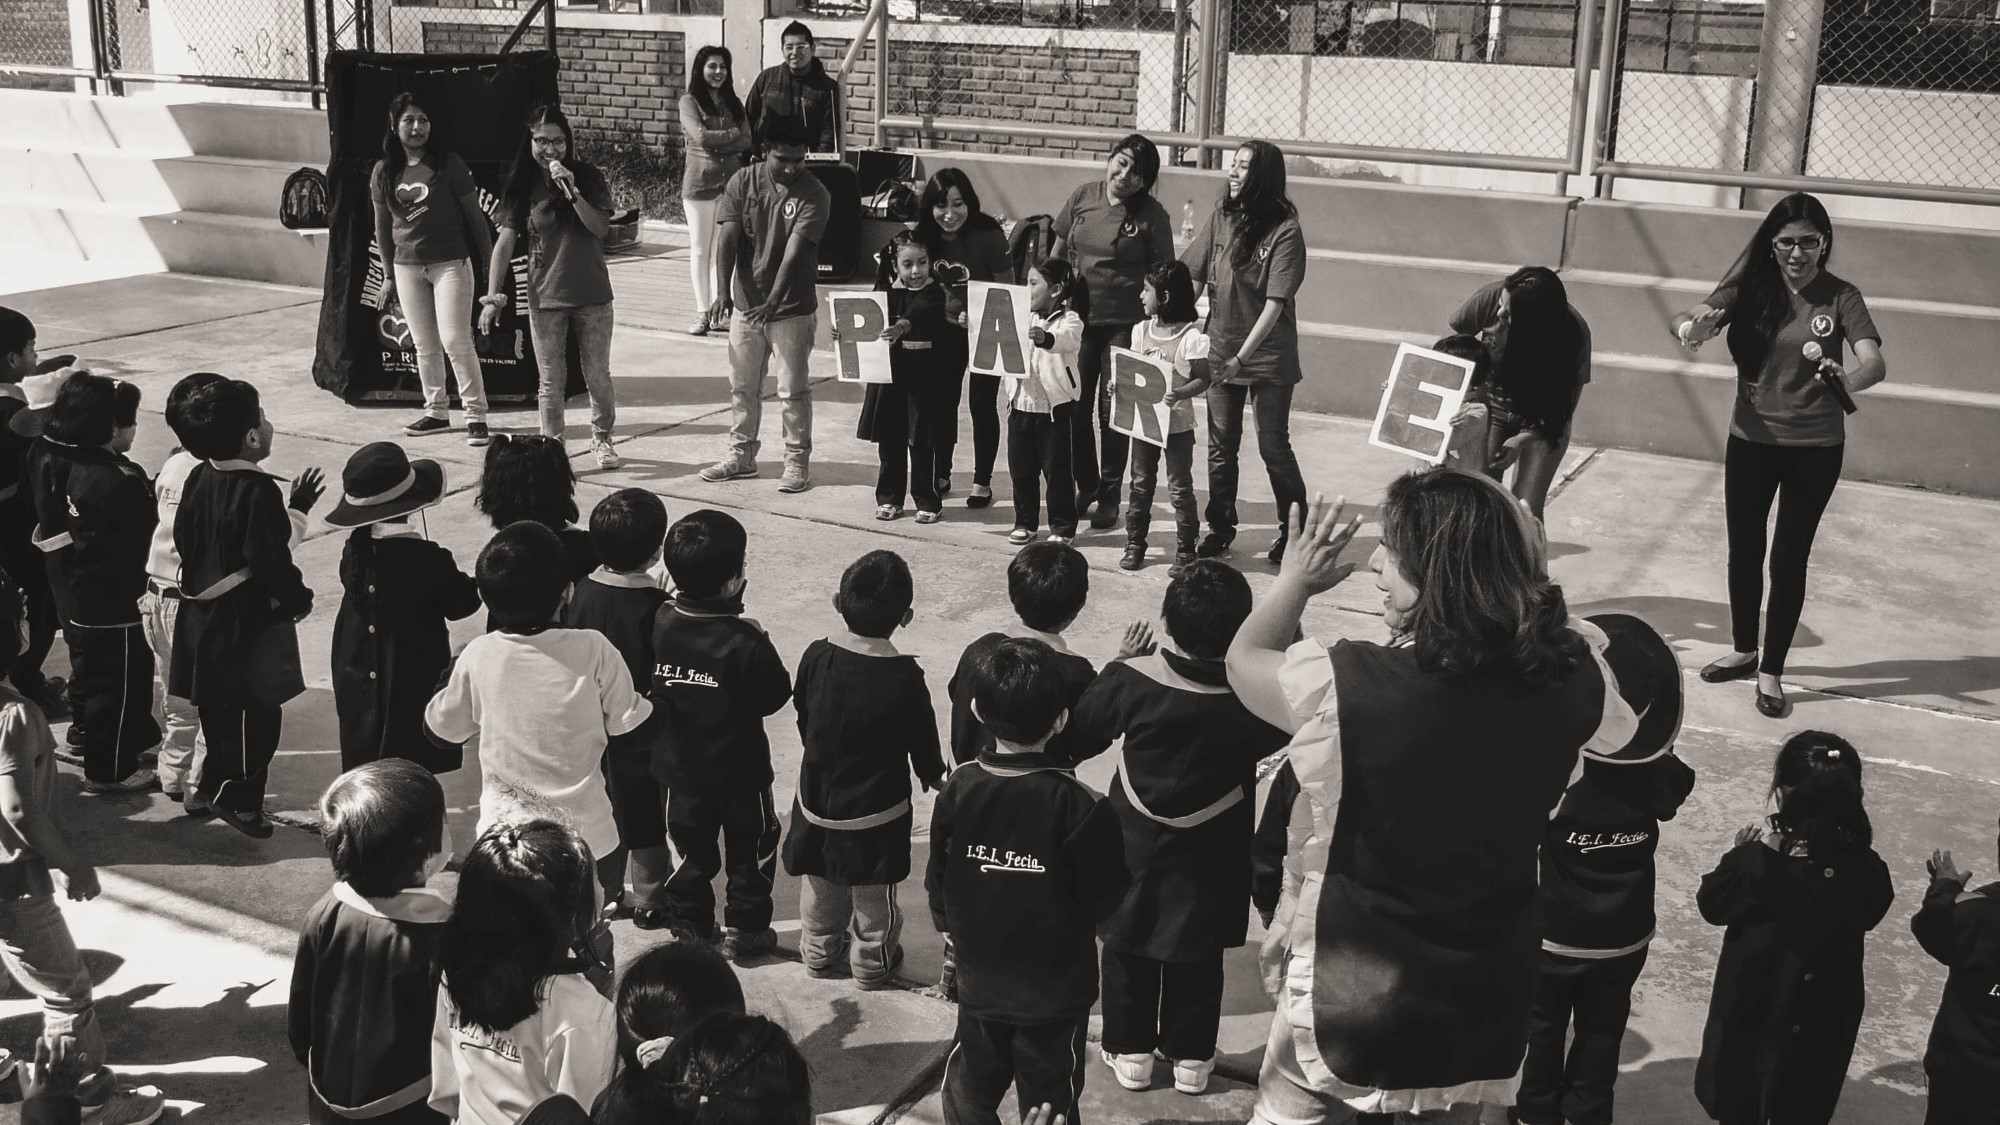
x=364, y=982
x=1026, y=862
x=865, y=720
x=1170, y=335
x=1183, y=795
x=717, y=677
x=913, y=420
x=544, y=701
x=1960, y=927
x=1597, y=889
x=628, y=530
x=20, y=363
x=1799, y=900
x=1039, y=409
x=391, y=643
x=665, y=993
x=236, y=645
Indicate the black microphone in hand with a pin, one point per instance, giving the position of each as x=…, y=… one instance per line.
x=1814, y=354
x=562, y=182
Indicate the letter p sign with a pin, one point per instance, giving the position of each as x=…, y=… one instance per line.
x=858, y=320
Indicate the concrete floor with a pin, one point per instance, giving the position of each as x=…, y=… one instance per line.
x=1900, y=650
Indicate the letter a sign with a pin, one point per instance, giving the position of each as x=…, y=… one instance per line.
x=858, y=320
x=1139, y=406
x=1425, y=390
x=999, y=319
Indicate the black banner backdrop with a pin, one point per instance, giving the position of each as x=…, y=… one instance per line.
x=479, y=105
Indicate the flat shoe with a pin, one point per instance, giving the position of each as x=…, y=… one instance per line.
x=1771, y=706
x=1722, y=673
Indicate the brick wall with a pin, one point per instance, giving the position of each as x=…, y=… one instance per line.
x=35, y=32
x=613, y=82
x=1036, y=84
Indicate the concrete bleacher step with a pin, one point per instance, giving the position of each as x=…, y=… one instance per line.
x=295, y=135
x=1390, y=290
x=251, y=249
x=37, y=119
x=227, y=185
x=79, y=230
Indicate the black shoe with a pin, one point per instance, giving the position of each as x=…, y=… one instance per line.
x=1105, y=517
x=192, y=805
x=1277, y=552
x=943, y=487
x=1215, y=543
x=255, y=825
x=1182, y=560
x=649, y=919
x=75, y=735
x=477, y=435
x=427, y=425
x=1135, y=557
x=1721, y=672
x=1772, y=706
x=53, y=699
x=982, y=495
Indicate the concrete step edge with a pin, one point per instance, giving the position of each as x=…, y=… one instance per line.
x=247, y=222
x=1702, y=288
x=81, y=206
x=1417, y=261
x=32, y=146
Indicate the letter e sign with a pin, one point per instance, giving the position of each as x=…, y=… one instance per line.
x=1425, y=390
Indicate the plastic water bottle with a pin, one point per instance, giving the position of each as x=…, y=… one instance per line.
x=1187, y=222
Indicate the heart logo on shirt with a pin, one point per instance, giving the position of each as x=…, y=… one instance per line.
x=395, y=331
x=409, y=195
x=1822, y=325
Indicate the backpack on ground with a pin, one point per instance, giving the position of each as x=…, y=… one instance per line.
x=1028, y=244
x=302, y=206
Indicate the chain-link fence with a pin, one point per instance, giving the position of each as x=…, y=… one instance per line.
x=1895, y=92
x=35, y=35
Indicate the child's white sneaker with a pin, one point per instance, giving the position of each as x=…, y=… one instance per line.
x=136, y=1105
x=1134, y=1072
x=1191, y=1076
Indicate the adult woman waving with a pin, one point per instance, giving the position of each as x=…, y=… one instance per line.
x=1787, y=319
x=1252, y=256
x=966, y=244
x=563, y=205
x=715, y=139
x=1428, y=769
x=1541, y=359
x=1112, y=231
x=430, y=231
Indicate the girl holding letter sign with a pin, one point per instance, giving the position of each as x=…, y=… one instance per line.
x=1169, y=336
x=966, y=245
x=1038, y=419
x=914, y=418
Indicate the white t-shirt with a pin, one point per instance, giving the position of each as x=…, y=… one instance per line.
x=568, y=1046
x=543, y=705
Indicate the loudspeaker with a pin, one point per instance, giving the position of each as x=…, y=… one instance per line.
x=840, y=249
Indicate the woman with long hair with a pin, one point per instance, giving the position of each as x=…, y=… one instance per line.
x=529, y=478
x=715, y=140
x=1540, y=349
x=1252, y=256
x=1112, y=230
x=1476, y=712
x=563, y=204
x=431, y=234
x=1798, y=895
x=966, y=244
x=1786, y=317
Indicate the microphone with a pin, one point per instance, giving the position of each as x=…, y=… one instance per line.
x=568, y=191
x=1815, y=355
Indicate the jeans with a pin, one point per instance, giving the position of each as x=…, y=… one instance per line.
x=182, y=749
x=1042, y=1062
x=1597, y=995
x=1173, y=1006
x=1271, y=407
x=701, y=250
x=1801, y=479
x=1036, y=452
x=437, y=303
x=748, y=826
x=861, y=927
x=983, y=401
x=1179, y=455
x=1535, y=470
x=551, y=329
x=751, y=348
x=113, y=672
x=1097, y=480
x=36, y=947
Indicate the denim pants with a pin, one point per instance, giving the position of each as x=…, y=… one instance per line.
x=751, y=349
x=181, y=751
x=437, y=304
x=1535, y=470
x=1179, y=455
x=552, y=329
x=861, y=927
x=1271, y=407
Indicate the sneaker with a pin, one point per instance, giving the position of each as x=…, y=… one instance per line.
x=138, y=782
x=54, y=699
x=887, y=512
x=613, y=909
x=1277, y=552
x=1191, y=1076
x=794, y=480
x=981, y=496
x=1105, y=517
x=255, y=825
x=428, y=424
x=1182, y=560
x=1021, y=536
x=646, y=918
x=700, y=326
x=943, y=487
x=1057, y=538
x=929, y=517
x=192, y=805
x=1215, y=543
x=838, y=970
x=606, y=453
x=1134, y=1072
x=1135, y=557
x=740, y=947
x=729, y=469
x=477, y=435
x=134, y=1105
x=74, y=737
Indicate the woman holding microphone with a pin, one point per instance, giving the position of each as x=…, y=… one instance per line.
x=1786, y=318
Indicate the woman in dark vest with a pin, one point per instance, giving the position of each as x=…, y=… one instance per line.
x=1404, y=972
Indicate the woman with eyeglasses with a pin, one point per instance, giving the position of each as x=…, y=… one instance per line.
x=1786, y=318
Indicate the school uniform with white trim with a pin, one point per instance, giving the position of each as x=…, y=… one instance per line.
x=866, y=722
x=1960, y=927
x=969, y=736
x=363, y=1001
x=1183, y=795
x=392, y=643
x=18, y=556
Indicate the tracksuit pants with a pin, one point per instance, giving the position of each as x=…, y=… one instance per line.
x=746, y=826
x=1595, y=995
x=1043, y=1062
x=1174, y=1007
x=112, y=670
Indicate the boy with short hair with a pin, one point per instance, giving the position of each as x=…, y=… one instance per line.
x=545, y=701
x=364, y=982
x=865, y=720
x=620, y=599
x=1183, y=797
x=1025, y=863
x=236, y=643
x=1960, y=927
x=717, y=676
x=18, y=557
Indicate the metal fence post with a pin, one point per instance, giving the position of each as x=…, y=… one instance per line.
x=549, y=24
x=1610, y=76
x=1787, y=73
x=312, y=49
x=1208, y=51
x=882, y=76
x=1579, y=100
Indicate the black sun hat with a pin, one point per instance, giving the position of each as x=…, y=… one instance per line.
x=1649, y=679
x=380, y=483
x=40, y=389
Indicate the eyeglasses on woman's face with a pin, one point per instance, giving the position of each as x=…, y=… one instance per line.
x=1810, y=243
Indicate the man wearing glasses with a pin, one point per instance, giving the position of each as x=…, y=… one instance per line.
x=798, y=88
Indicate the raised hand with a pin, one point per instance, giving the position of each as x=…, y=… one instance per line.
x=1940, y=866
x=1317, y=541
x=1138, y=641
x=306, y=490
